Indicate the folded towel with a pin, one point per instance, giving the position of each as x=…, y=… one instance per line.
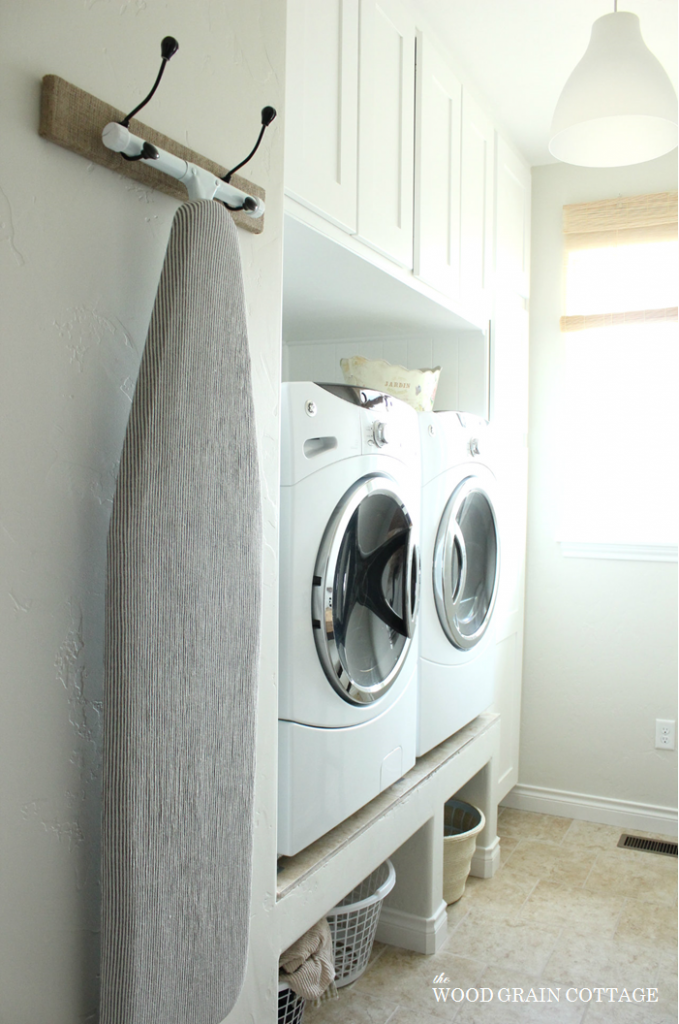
x=308, y=966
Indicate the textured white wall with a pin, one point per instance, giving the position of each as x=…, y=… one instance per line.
x=601, y=636
x=80, y=255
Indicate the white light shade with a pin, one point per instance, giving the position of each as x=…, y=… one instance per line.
x=618, y=107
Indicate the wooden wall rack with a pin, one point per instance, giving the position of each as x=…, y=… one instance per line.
x=74, y=119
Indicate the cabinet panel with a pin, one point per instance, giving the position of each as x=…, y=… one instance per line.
x=512, y=234
x=512, y=474
x=509, y=375
x=386, y=129
x=508, y=705
x=509, y=365
x=511, y=464
x=476, y=216
x=322, y=108
x=437, y=171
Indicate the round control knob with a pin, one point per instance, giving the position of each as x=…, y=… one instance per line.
x=380, y=433
x=474, y=448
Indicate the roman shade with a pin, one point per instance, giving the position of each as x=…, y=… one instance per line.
x=626, y=221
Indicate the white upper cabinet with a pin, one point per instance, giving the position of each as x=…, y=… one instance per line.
x=512, y=232
x=476, y=207
x=416, y=186
x=386, y=129
x=322, y=108
x=437, y=171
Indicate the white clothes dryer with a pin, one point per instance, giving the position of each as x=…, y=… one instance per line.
x=460, y=575
x=349, y=589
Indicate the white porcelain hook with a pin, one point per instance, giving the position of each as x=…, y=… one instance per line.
x=200, y=184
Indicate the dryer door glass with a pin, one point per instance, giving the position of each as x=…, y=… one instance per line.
x=365, y=591
x=466, y=565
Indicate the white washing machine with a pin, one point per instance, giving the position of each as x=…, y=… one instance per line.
x=349, y=588
x=460, y=575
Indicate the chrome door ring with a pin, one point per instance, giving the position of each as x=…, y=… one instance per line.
x=448, y=592
x=352, y=690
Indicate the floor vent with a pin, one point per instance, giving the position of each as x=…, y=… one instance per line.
x=648, y=845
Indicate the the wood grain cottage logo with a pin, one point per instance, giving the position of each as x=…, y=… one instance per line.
x=540, y=995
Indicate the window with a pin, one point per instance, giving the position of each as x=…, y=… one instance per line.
x=618, y=459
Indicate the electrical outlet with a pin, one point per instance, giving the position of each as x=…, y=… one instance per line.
x=664, y=734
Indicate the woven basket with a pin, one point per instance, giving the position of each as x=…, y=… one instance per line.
x=461, y=825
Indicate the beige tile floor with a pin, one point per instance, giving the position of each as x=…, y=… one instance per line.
x=566, y=910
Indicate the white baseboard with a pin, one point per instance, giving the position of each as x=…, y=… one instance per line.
x=584, y=807
x=408, y=931
x=486, y=860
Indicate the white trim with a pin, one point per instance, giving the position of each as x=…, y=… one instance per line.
x=622, y=552
x=585, y=807
x=409, y=931
x=486, y=860
x=289, y=194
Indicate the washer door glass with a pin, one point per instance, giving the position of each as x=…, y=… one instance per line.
x=466, y=564
x=365, y=590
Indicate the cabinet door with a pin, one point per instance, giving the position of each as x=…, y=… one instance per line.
x=321, y=133
x=437, y=171
x=476, y=217
x=512, y=221
x=386, y=129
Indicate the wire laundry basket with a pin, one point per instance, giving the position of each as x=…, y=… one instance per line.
x=353, y=923
x=290, y=1005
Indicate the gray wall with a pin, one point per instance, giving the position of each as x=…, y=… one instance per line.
x=81, y=252
x=601, y=636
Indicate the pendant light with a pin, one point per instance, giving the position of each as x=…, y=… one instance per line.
x=618, y=107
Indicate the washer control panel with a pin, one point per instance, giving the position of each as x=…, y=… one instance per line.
x=381, y=433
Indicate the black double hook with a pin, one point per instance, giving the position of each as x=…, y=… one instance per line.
x=268, y=114
x=168, y=48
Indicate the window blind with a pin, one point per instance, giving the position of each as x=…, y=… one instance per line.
x=619, y=362
x=621, y=223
